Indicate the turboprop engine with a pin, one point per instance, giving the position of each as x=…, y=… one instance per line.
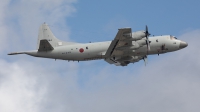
x=135, y=35
x=134, y=46
x=141, y=34
x=141, y=42
x=138, y=35
x=128, y=58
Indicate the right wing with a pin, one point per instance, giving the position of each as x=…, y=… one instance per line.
x=125, y=60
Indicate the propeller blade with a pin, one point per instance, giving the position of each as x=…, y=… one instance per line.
x=146, y=29
x=148, y=45
x=145, y=60
x=147, y=32
x=147, y=37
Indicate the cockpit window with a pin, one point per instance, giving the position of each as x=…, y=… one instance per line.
x=172, y=37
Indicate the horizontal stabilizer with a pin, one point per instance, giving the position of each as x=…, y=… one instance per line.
x=15, y=53
x=45, y=46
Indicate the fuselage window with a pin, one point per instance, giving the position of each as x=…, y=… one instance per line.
x=86, y=47
x=156, y=40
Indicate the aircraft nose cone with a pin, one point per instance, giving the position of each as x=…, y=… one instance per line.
x=183, y=45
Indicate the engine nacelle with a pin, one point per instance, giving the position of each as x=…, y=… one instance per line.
x=135, y=59
x=141, y=42
x=138, y=35
x=128, y=58
x=134, y=46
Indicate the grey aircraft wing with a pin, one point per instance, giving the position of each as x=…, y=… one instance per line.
x=117, y=53
x=120, y=40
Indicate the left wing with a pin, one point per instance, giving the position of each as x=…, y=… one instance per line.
x=120, y=40
x=117, y=52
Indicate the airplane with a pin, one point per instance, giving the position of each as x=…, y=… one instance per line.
x=127, y=47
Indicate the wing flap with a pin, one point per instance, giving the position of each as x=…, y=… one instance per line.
x=112, y=47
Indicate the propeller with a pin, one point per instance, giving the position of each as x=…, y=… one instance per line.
x=145, y=60
x=147, y=42
x=147, y=37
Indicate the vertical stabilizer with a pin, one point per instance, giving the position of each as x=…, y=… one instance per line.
x=45, y=33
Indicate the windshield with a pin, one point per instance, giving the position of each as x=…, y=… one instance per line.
x=172, y=37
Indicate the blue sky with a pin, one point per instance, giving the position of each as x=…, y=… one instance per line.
x=99, y=20
x=169, y=82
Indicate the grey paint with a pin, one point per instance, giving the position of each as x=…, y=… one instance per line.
x=136, y=50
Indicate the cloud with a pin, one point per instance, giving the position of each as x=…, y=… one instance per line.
x=20, y=21
x=2, y=28
x=27, y=87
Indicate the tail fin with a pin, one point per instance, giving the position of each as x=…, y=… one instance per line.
x=45, y=33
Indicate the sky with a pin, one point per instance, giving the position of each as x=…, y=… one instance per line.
x=169, y=83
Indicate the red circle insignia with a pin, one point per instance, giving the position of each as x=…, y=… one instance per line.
x=81, y=50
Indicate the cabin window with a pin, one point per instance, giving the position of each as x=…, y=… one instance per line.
x=86, y=47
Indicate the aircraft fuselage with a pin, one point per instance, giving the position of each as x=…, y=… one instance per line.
x=97, y=50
